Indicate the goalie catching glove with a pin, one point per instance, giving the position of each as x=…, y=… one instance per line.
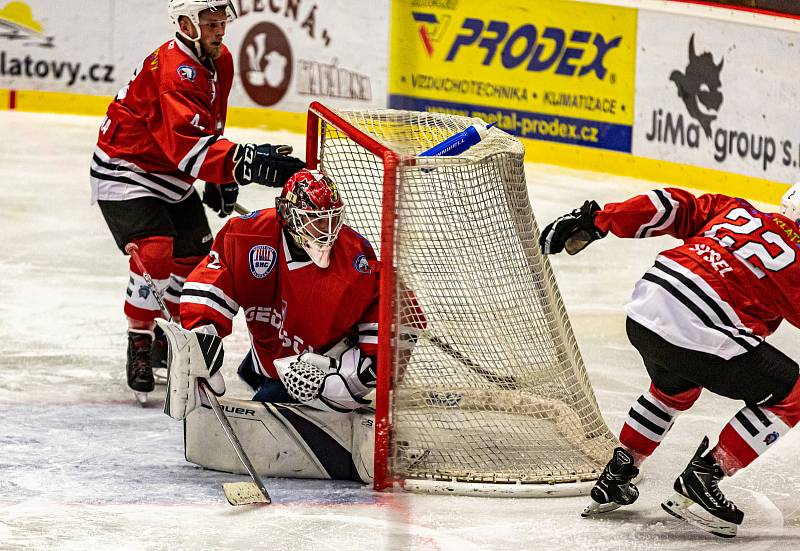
x=328, y=384
x=191, y=355
x=268, y=165
x=572, y=232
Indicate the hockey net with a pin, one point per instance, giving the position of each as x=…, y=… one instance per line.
x=482, y=388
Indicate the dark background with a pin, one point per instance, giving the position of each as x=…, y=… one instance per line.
x=782, y=6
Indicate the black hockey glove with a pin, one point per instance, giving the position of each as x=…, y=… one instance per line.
x=221, y=198
x=571, y=232
x=265, y=164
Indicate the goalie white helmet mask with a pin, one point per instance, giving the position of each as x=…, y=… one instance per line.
x=790, y=204
x=311, y=209
x=192, y=8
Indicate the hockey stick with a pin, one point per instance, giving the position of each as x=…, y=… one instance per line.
x=503, y=381
x=237, y=493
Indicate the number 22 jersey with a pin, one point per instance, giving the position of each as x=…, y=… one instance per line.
x=731, y=282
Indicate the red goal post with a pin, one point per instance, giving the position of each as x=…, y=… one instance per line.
x=383, y=391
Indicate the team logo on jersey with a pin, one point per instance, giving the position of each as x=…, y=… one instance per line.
x=144, y=292
x=262, y=260
x=187, y=72
x=771, y=437
x=362, y=265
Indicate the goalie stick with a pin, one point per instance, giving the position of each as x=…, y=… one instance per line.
x=503, y=381
x=237, y=493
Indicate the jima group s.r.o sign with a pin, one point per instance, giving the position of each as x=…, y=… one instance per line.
x=718, y=95
x=548, y=70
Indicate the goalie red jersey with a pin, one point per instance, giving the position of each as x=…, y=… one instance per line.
x=164, y=129
x=290, y=305
x=736, y=272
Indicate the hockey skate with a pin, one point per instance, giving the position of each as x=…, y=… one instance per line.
x=138, y=368
x=699, y=501
x=158, y=356
x=614, y=488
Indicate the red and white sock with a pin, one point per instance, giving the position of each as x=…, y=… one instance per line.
x=754, y=430
x=650, y=419
x=156, y=255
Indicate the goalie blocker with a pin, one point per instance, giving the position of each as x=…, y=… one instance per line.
x=285, y=440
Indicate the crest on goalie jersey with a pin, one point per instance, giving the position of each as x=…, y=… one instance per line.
x=262, y=260
x=362, y=265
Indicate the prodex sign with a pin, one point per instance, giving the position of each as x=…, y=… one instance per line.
x=714, y=94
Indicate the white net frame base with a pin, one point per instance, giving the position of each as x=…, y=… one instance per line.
x=493, y=489
x=481, y=387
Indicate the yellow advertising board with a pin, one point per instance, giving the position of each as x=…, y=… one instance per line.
x=548, y=70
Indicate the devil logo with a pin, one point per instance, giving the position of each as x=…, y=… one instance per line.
x=699, y=87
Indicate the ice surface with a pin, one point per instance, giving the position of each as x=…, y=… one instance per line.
x=83, y=467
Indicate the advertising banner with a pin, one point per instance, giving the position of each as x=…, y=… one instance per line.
x=54, y=46
x=718, y=95
x=547, y=70
x=286, y=52
x=291, y=52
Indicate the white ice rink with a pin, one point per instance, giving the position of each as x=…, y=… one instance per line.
x=82, y=467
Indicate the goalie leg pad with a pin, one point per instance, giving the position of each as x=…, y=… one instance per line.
x=190, y=355
x=284, y=440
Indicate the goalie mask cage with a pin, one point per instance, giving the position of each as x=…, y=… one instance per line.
x=481, y=386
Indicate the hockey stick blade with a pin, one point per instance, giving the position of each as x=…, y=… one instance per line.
x=243, y=493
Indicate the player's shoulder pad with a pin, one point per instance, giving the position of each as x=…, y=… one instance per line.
x=359, y=250
x=180, y=69
x=257, y=221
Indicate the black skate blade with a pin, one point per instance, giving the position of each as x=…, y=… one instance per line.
x=595, y=508
x=141, y=397
x=680, y=507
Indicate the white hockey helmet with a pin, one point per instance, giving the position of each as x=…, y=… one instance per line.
x=790, y=203
x=192, y=9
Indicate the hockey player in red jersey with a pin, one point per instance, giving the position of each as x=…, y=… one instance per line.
x=163, y=131
x=698, y=318
x=305, y=282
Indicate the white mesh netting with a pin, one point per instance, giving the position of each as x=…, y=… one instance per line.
x=495, y=389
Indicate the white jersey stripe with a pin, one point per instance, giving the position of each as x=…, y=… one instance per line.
x=666, y=208
x=686, y=311
x=211, y=296
x=117, y=180
x=193, y=160
x=719, y=312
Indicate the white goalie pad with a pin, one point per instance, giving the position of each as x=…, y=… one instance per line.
x=190, y=355
x=284, y=440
